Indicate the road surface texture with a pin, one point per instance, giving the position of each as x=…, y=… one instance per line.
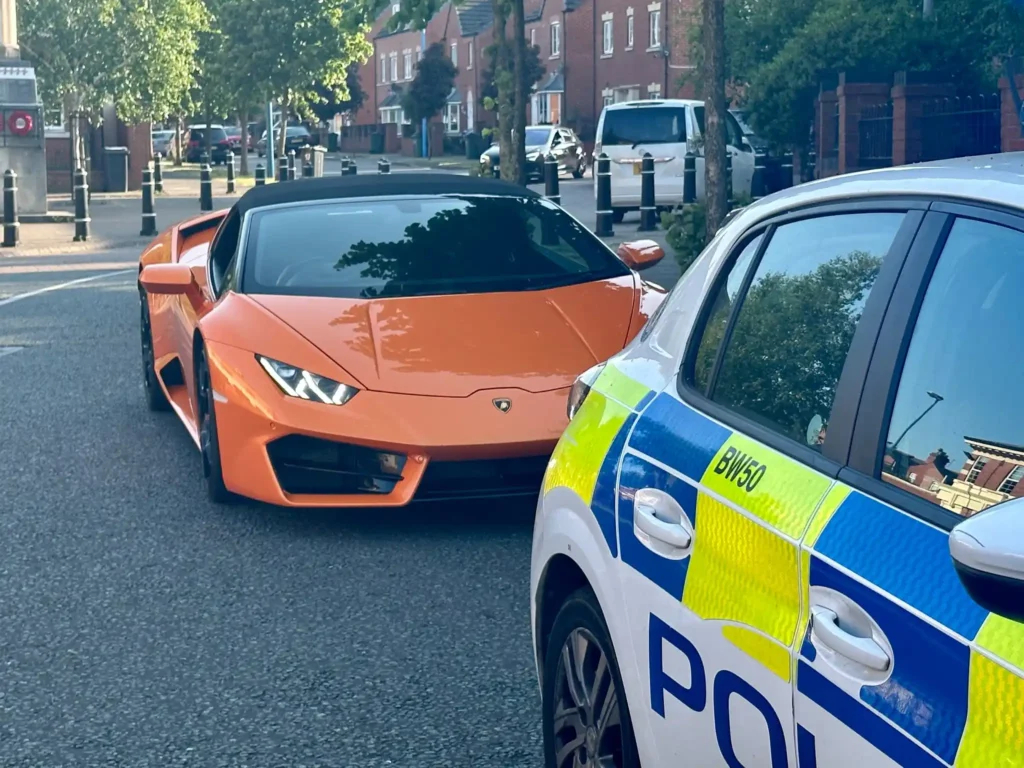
x=142, y=626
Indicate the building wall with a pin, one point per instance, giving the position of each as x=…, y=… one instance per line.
x=469, y=80
x=368, y=77
x=682, y=17
x=582, y=105
x=630, y=72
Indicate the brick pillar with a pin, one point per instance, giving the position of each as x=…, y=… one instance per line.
x=824, y=134
x=1010, y=130
x=853, y=98
x=908, y=100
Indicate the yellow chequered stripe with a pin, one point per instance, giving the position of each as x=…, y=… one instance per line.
x=742, y=572
x=618, y=386
x=1003, y=638
x=774, y=488
x=770, y=653
x=994, y=735
x=583, y=446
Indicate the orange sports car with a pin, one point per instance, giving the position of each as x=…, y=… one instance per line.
x=370, y=340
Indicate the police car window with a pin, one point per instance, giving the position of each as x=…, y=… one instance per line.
x=718, y=319
x=794, y=328
x=956, y=436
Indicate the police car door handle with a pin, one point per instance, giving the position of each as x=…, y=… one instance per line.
x=659, y=516
x=862, y=650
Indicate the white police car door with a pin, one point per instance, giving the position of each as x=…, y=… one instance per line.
x=899, y=665
x=722, y=474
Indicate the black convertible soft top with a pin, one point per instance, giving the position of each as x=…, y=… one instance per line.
x=373, y=185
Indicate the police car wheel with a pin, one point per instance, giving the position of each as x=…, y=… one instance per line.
x=586, y=718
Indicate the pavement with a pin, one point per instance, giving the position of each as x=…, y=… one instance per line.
x=142, y=626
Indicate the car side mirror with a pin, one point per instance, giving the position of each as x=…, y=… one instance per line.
x=988, y=554
x=640, y=254
x=745, y=145
x=167, y=279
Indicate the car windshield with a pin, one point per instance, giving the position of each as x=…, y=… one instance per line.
x=233, y=131
x=162, y=134
x=216, y=134
x=744, y=125
x=296, y=130
x=536, y=137
x=735, y=133
x=419, y=247
x=644, y=125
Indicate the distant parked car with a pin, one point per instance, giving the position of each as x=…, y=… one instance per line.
x=219, y=144
x=162, y=143
x=540, y=140
x=759, y=144
x=296, y=137
x=238, y=139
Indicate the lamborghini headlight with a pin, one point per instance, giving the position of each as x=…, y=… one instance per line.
x=305, y=385
x=581, y=388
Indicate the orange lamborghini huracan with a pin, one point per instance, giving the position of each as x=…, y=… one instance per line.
x=370, y=340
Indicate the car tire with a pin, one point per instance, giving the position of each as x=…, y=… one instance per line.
x=209, y=438
x=580, y=635
x=618, y=214
x=156, y=400
x=580, y=170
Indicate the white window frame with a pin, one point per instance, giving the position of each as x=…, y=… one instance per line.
x=979, y=464
x=407, y=64
x=533, y=36
x=452, y=118
x=629, y=29
x=654, y=29
x=419, y=53
x=556, y=39
x=469, y=55
x=383, y=68
x=396, y=8
x=607, y=35
x=393, y=63
x=1011, y=482
x=455, y=53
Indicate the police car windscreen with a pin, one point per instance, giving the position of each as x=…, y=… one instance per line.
x=419, y=247
x=644, y=125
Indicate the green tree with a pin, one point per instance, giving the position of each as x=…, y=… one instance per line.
x=331, y=103
x=534, y=72
x=140, y=56
x=429, y=89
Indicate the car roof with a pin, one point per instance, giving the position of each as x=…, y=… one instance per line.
x=203, y=125
x=992, y=179
x=654, y=103
x=376, y=185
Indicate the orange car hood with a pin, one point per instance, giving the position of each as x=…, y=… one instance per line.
x=454, y=346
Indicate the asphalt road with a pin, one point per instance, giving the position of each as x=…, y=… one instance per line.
x=142, y=626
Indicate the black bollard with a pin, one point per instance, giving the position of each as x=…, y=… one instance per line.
x=648, y=210
x=604, y=196
x=385, y=166
x=261, y=175
x=231, y=173
x=148, y=213
x=757, y=183
x=344, y=165
x=728, y=180
x=11, y=225
x=205, y=188
x=353, y=169
x=689, y=179
x=282, y=169
x=551, y=179
x=291, y=165
x=81, y=206
x=812, y=163
x=158, y=174
x=787, y=170
x=204, y=159
x=307, y=171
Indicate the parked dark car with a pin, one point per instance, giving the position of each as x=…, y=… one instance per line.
x=238, y=139
x=296, y=137
x=220, y=144
x=773, y=179
x=563, y=143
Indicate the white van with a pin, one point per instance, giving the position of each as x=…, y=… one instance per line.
x=666, y=128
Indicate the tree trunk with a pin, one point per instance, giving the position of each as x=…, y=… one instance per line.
x=503, y=82
x=520, y=92
x=208, y=137
x=283, y=130
x=179, y=139
x=713, y=32
x=243, y=115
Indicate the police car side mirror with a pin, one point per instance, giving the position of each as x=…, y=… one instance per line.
x=988, y=553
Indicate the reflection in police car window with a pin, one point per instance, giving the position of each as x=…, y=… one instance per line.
x=797, y=320
x=956, y=437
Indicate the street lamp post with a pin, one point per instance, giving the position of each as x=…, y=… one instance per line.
x=937, y=398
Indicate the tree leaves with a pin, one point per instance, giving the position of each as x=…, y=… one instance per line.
x=435, y=78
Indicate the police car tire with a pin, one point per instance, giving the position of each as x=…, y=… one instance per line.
x=581, y=611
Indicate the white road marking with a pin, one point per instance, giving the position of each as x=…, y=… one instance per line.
x=58, y=286
x=9, y=350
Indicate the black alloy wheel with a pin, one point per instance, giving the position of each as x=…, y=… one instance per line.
x=209, y=442
x=156, y=400
x=586, y=718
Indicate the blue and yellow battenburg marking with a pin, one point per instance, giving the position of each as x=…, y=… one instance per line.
x=958, y=694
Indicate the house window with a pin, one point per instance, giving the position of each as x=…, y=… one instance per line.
x=608, y=39
x=455, y=54
x=383, y=69
x=556, y=39
x=451, y=118
x=469, y=54
x=408, y=65
x=655, y=29
x=629, y=32
x=419, y=54
x=979, y=465
x=608, y=100
x=1011, y=481
x=533, y=36
x=394, y=66
x=395, y=8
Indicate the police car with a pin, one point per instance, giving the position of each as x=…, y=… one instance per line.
x=763, y=538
